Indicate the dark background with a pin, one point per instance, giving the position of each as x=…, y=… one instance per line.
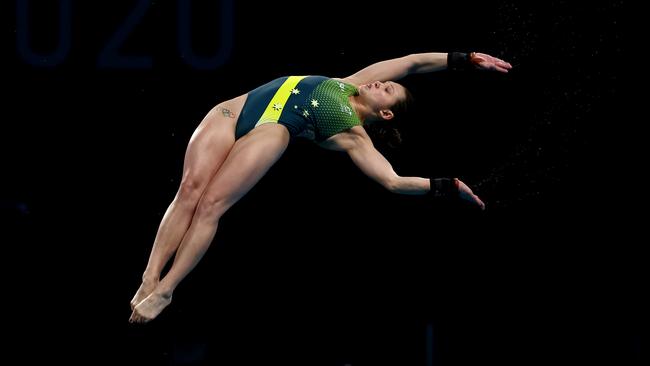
x=340, y=271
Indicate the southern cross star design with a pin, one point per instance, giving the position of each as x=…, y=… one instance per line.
x=314, y=103
x=277, y=106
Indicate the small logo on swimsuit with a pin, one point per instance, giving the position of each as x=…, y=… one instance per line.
x=346, y=109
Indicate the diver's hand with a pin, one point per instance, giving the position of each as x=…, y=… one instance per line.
x=482, y=61
x=466, y=194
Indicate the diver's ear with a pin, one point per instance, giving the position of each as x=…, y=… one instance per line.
x=386, y=114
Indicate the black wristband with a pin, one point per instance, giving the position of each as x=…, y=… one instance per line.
x=443, y=188
x=458, y=61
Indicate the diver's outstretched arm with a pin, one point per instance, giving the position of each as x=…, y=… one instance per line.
x=418, y=63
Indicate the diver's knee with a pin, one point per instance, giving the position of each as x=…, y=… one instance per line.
x=190, y=191
x=211, y=208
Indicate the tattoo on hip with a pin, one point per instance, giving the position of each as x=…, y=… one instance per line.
x=227, y=113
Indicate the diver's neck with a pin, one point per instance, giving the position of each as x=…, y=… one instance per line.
x=362, y=111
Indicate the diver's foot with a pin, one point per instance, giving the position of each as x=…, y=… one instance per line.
x=146, y=288
x=149, y=308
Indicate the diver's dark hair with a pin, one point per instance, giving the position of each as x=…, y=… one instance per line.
x=384, y=132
